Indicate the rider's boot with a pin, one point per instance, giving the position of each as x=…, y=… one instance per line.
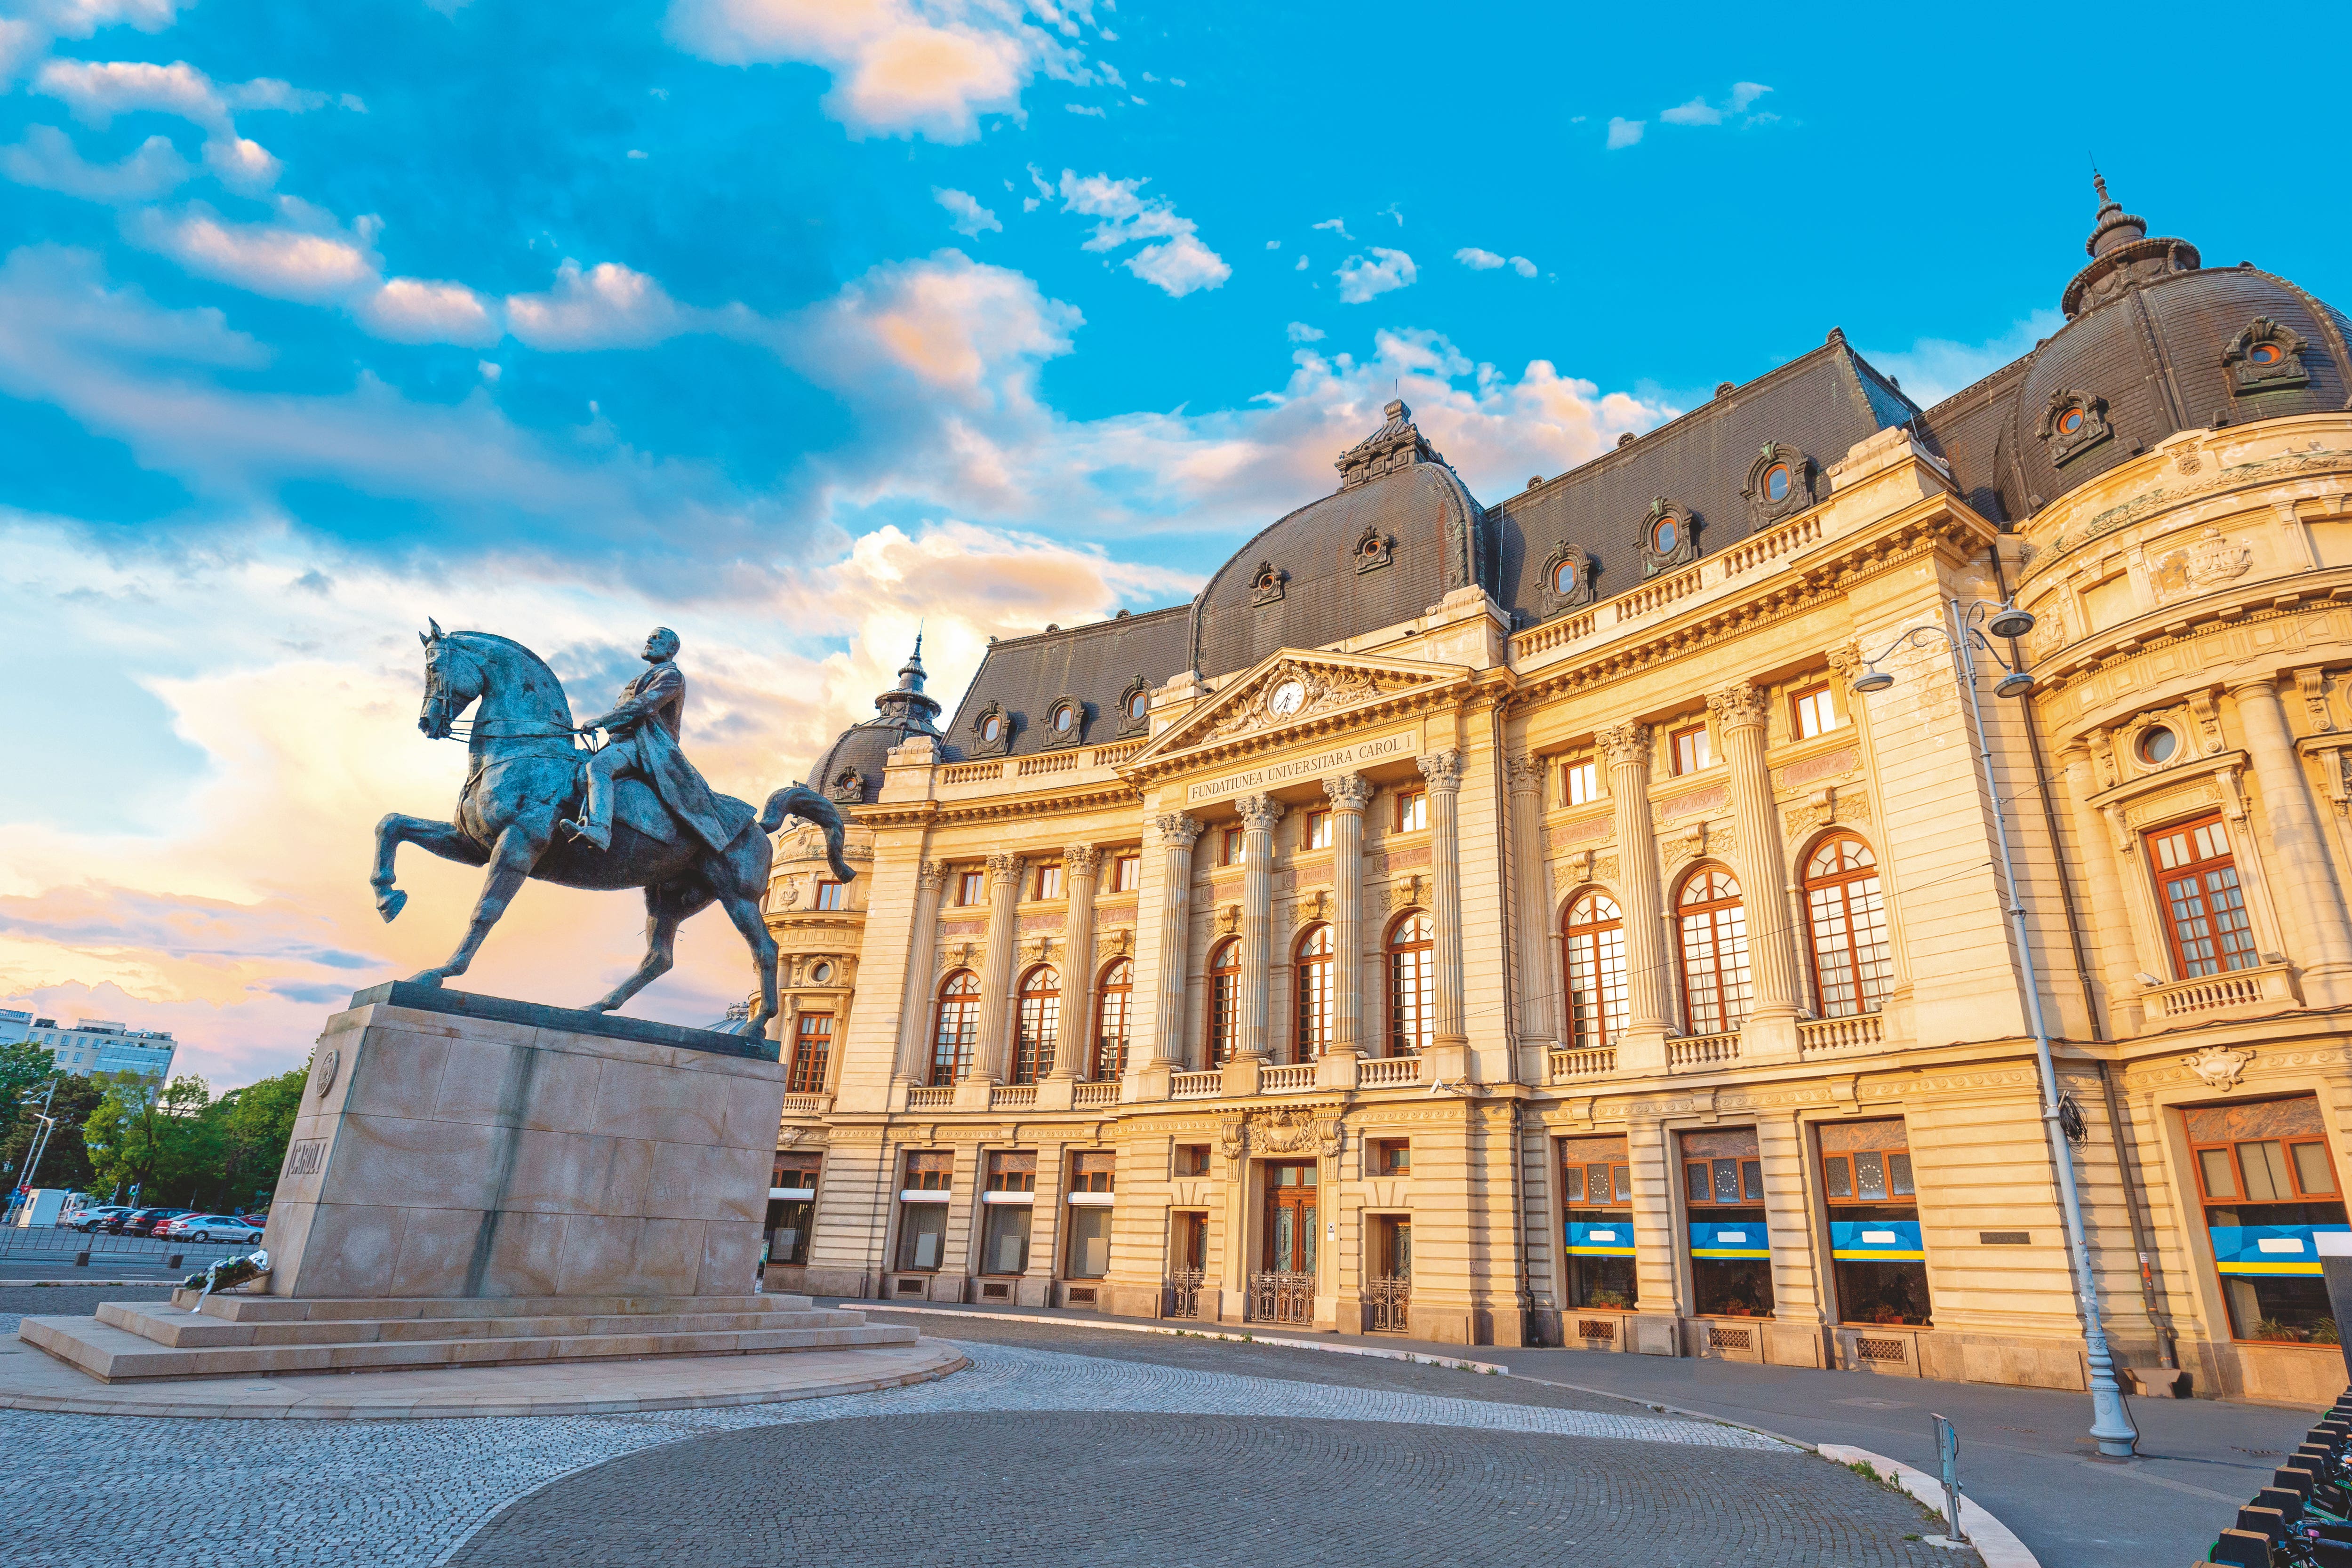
x=587, y=832
x=595, y=824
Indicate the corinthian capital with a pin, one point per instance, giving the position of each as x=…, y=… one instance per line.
x=1347, y=792
x=1739, y=707
x=931, y=875
x=1081, y=859
x=1526, y=774
x=1003, y=867
x=1260, y=813
x=1442, y=769
x=1177, y=831
x=1624, y=744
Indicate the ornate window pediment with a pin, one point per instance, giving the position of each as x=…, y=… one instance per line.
x=1567, y=580
x=2073, y=423
x=1373, y=549
x=1669, y=537
x=847, y=787
x=991, y=731
x=2265, y=356
x=1135, y=708
x=1294, y=686
x=1779, y=483
x=1066, y=722
x=1266, y=587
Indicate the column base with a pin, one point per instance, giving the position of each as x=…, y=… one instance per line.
x=898, y=1100
x=972, y=1094
x=1771, y=1039
x=1149, y=1081
x=1241, y=1075
x=1642, y=1050
x=1535, y=1060
x=1054, y=1093
x=1448, y=1058
x=1336, y=1069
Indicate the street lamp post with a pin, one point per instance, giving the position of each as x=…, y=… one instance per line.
x=2110, y=1425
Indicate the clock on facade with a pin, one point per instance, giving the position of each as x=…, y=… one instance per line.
x=1286, y=698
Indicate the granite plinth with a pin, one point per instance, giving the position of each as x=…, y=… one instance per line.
x=440, y=1153
x=572, y=1020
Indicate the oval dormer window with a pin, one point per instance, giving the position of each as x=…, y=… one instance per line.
x=2266, y=353
x=1563, y=577
x=1665, y=536
x=1777, y=479
x=992, y=728
x=1137, y=701
x=2069, y=421
x=1063, y=719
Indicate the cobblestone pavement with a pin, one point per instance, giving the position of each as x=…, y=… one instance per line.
x=1456, y=1470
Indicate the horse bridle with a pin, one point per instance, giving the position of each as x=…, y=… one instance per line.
x=437, y=708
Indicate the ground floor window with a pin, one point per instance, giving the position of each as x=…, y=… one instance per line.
x=1004, y=1247
x=2269, y=1187
x=1596, y=1183
x=791, y=1205
x=1089, y=1242
x=922, y=1235
x=1731, y=1251
x=1879, y=1259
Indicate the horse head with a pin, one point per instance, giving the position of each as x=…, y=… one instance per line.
x=452, y=680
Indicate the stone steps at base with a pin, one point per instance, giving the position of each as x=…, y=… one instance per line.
x=112, y=1354
x=237, y=1308
x=178, y=1330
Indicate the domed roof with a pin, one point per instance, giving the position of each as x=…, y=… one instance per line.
x=851, y=772
x=1399, y=535
x=2156, y=343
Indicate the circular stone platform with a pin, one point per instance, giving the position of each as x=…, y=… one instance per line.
x=31, y=1380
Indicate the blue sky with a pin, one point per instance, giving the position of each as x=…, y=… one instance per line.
x=793, y=323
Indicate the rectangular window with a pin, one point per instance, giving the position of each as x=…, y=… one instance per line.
x=795, y=1171
x=922, y=1235
x=1125, y=873
x=929, y=1170
x=2268, y=1184
x=1730, y=1249
x=1318, y=831
x=971, y=887
x=1192, y=1159
x=2204, y=908
x=1089, y=1243
x=1597, y=1195
x=1004, y=1245
x=1392, y=1157
x=1816, y=715
x=831, y=895
x=1581, y=782
x=1012, y=1171
x=1049, y=882
x=1092, y=1171
x=1228, y=846
x=1690, y=749
x=1413, y=811
x=811, y=1053
x=1879, y=1259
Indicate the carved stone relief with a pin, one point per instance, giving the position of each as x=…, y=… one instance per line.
x=1293, y=691
x=2219, y=1066
x=2207, y=562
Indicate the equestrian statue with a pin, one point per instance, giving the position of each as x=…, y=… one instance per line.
x=630, y=813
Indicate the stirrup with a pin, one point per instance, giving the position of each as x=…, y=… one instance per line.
x=580, y=831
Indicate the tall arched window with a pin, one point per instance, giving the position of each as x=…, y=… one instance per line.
x=1313, y=1036
x=1412, y=984
x=1113, y=1006
x=1037, y=1023
x=1595, y=941
x=959, y=1024
x=1224, y=1002
x=1714, y=929
x=1852, y=968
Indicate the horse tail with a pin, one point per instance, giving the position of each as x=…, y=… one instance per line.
x=799, y=800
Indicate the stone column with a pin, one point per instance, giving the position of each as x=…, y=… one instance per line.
x=1642, y=1046
x=2093, y=841
x=922, y=960
x=1259, y=814
x=995, y=980
x=1349, y=794
x=1449, y=1037
x=1540, y=988
x=1079, y=863
x=1657, y=1240
x=1148, y=1070
x=2297, y=844
x=1771, y=1032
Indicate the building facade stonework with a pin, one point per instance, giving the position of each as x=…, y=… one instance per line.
x=1513, y=926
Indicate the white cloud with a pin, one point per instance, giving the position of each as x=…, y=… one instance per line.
x=1932, y=369
x=1395, y=211
x=1337, y=225
x=1523, y=267
x=1478, y=260
x=1300, y=332
x=1274, y=245
x=1698, y=112
x=1302, y=265
x=1179, y=265
x=1744, y=93
x=1360, y=279
x=47, y=161
x=80, y=18
x=422, y=311
x=899, y=68
x=239, y=162
x=98, y=90
x=970, y=217
x=1694, y=112
x=606, y=307
x=277, y=260
x=1085, y=109
x=1625, y=132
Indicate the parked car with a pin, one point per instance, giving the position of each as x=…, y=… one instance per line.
x=90, y=1220
x=141, y=1222
x=212, y=1228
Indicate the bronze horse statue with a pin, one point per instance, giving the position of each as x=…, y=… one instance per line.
x=524, y=776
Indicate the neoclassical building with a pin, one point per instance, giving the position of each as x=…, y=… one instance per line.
x=1507, y=921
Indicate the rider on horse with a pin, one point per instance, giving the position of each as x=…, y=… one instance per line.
x=642, y=729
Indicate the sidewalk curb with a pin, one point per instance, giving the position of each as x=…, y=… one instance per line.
x=986, y=1316
x=1994, y=1542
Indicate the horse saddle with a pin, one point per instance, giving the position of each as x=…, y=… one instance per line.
x=634, y=803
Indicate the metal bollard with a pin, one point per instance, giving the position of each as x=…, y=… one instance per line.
x=1947, y=1450
x=81, y=1259
x=174, y=1260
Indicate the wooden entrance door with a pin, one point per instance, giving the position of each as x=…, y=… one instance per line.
x=1290, y=1219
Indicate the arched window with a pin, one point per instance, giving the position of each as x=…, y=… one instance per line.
x=1852, y=969
x=1595, y=941
x=1313, y=1036
x=1038, y=1023
x=1714, y=929
x=1412, y=984
x=1113, y=1006
x=1224, y=1002
x=958, y=1025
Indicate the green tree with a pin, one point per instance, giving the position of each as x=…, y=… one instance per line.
x=259, y=1123
x=153, y=1136
x=65, y=1163
x=26, y=1069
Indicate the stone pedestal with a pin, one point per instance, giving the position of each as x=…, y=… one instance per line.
x=444, y=1150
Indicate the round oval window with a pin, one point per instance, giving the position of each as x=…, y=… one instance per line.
x=1563, y=577
x=992, y=728
x=2157, y=745
x=1137, y=703
x=822, y=975
x=2069, y=421
x=1061, y=721
x=1776, y=482
x=1664, y=539
x=2266, y=353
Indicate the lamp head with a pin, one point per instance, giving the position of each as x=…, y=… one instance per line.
x=2016, y=683
x=1873, y=681
x=2008, y=621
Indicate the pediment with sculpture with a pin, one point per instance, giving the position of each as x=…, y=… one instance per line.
x=1295, y=688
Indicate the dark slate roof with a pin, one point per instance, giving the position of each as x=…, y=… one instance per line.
x=1440, y=542
x=1821, y=404
x=1093, y=663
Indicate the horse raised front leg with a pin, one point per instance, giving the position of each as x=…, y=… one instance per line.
x=666, y=908
x=509, y=866
x=441, y=839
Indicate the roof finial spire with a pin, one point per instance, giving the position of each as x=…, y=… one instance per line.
x=912, y=674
